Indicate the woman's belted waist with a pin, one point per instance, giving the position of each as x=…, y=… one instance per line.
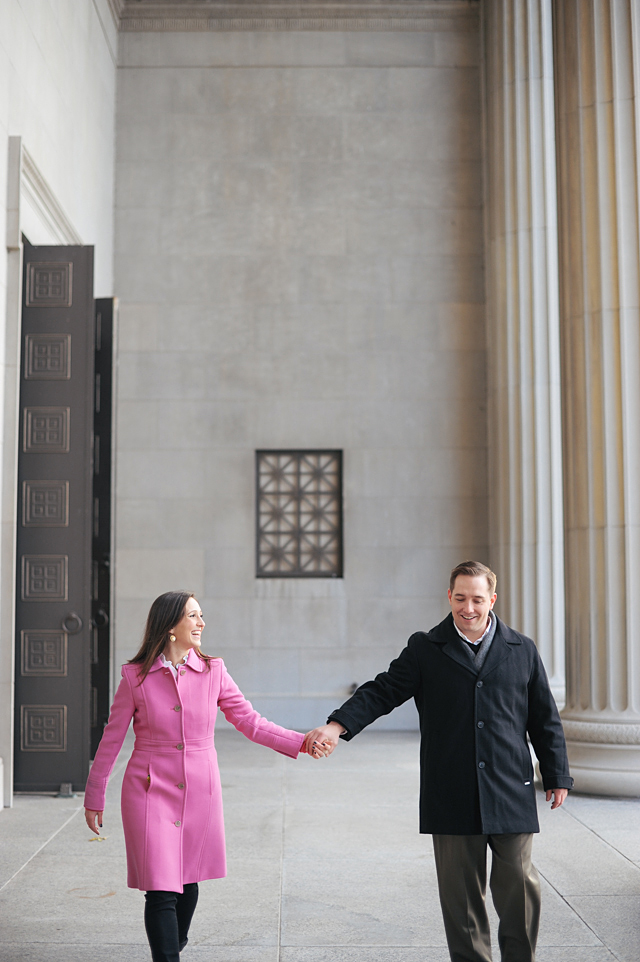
x=173, y=747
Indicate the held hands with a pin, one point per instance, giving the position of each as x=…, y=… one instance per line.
x=91, y=818
x=559, y=795
x=320, y=742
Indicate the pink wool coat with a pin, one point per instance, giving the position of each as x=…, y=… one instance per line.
x=171, y=795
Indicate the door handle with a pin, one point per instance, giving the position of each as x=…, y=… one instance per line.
x=100, y=619
x=71, y=623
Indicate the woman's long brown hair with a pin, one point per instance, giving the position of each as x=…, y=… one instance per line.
x=164, y=614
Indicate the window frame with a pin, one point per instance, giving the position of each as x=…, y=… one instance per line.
x=300, y=453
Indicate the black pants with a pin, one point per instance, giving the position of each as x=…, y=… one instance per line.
x=167, y=917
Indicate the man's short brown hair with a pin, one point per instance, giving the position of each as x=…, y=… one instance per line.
x=474, y=568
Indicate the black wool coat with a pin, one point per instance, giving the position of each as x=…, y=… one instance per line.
x=476, y=776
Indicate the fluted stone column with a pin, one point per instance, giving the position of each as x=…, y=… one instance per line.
x=522, y=318
x=597, y=66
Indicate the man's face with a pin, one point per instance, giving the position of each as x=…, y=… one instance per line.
x=470, y=604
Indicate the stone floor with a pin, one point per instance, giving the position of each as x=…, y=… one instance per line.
x=325, y=865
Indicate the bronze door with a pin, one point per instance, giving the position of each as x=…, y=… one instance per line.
x=55, y=513
x=101, y=586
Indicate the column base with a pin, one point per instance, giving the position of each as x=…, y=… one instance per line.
x=604, y=758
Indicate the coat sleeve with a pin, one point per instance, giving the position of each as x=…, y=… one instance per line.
x=387, y=691
x=110, y=744
x=545, y=730
x=246, y=719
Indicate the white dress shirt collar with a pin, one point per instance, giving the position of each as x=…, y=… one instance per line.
x=486, y=631
x=169, y=664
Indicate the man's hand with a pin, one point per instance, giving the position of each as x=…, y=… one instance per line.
x=320, y=742
x=91, y=817
x=559, y=795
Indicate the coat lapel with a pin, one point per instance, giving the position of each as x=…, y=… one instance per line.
x=195, y=662
x=446, y=636
x=500, y=649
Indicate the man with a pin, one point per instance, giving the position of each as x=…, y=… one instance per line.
x=480, y=688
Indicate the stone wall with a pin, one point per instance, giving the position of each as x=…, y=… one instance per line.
x=298, y=259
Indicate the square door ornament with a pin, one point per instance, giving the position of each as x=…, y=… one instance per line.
x=49, y=285
x=46, y=430
x=44, y=653
x=47, y=357
x=43, y=728
x=45, y=504
x=44, y=577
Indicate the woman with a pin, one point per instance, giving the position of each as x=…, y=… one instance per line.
x=171, y=796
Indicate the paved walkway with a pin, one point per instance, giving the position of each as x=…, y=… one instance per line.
x=325, y=865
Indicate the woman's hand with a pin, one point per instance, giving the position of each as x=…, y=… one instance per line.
x=313, y=750
x=322, y=741
x=91, y=818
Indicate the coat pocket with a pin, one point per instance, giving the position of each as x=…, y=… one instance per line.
x=527, y=763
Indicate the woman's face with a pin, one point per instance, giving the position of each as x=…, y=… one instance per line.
x=189, y=628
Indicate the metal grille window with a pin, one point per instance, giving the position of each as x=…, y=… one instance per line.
x=299, y=514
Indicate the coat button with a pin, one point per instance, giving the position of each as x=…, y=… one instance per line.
x=480, y=764
x=180, y=784
x=479, y=684
x=177, y=824
x=178, y=708
x=182, y=672
x=480, y=724
x=180, y=746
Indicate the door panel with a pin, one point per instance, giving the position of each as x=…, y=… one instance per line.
x=101, y=588
x=53, y=603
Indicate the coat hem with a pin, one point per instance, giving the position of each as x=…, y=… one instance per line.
x=493, y=831
x=145, y=888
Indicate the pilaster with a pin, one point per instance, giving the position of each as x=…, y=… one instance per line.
x=596, y=60
x=526, y=525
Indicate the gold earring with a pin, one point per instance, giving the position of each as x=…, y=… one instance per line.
x=172, y=637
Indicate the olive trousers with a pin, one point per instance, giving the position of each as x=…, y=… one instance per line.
x=461, y=865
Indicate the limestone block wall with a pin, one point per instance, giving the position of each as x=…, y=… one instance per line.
x=298, y=259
